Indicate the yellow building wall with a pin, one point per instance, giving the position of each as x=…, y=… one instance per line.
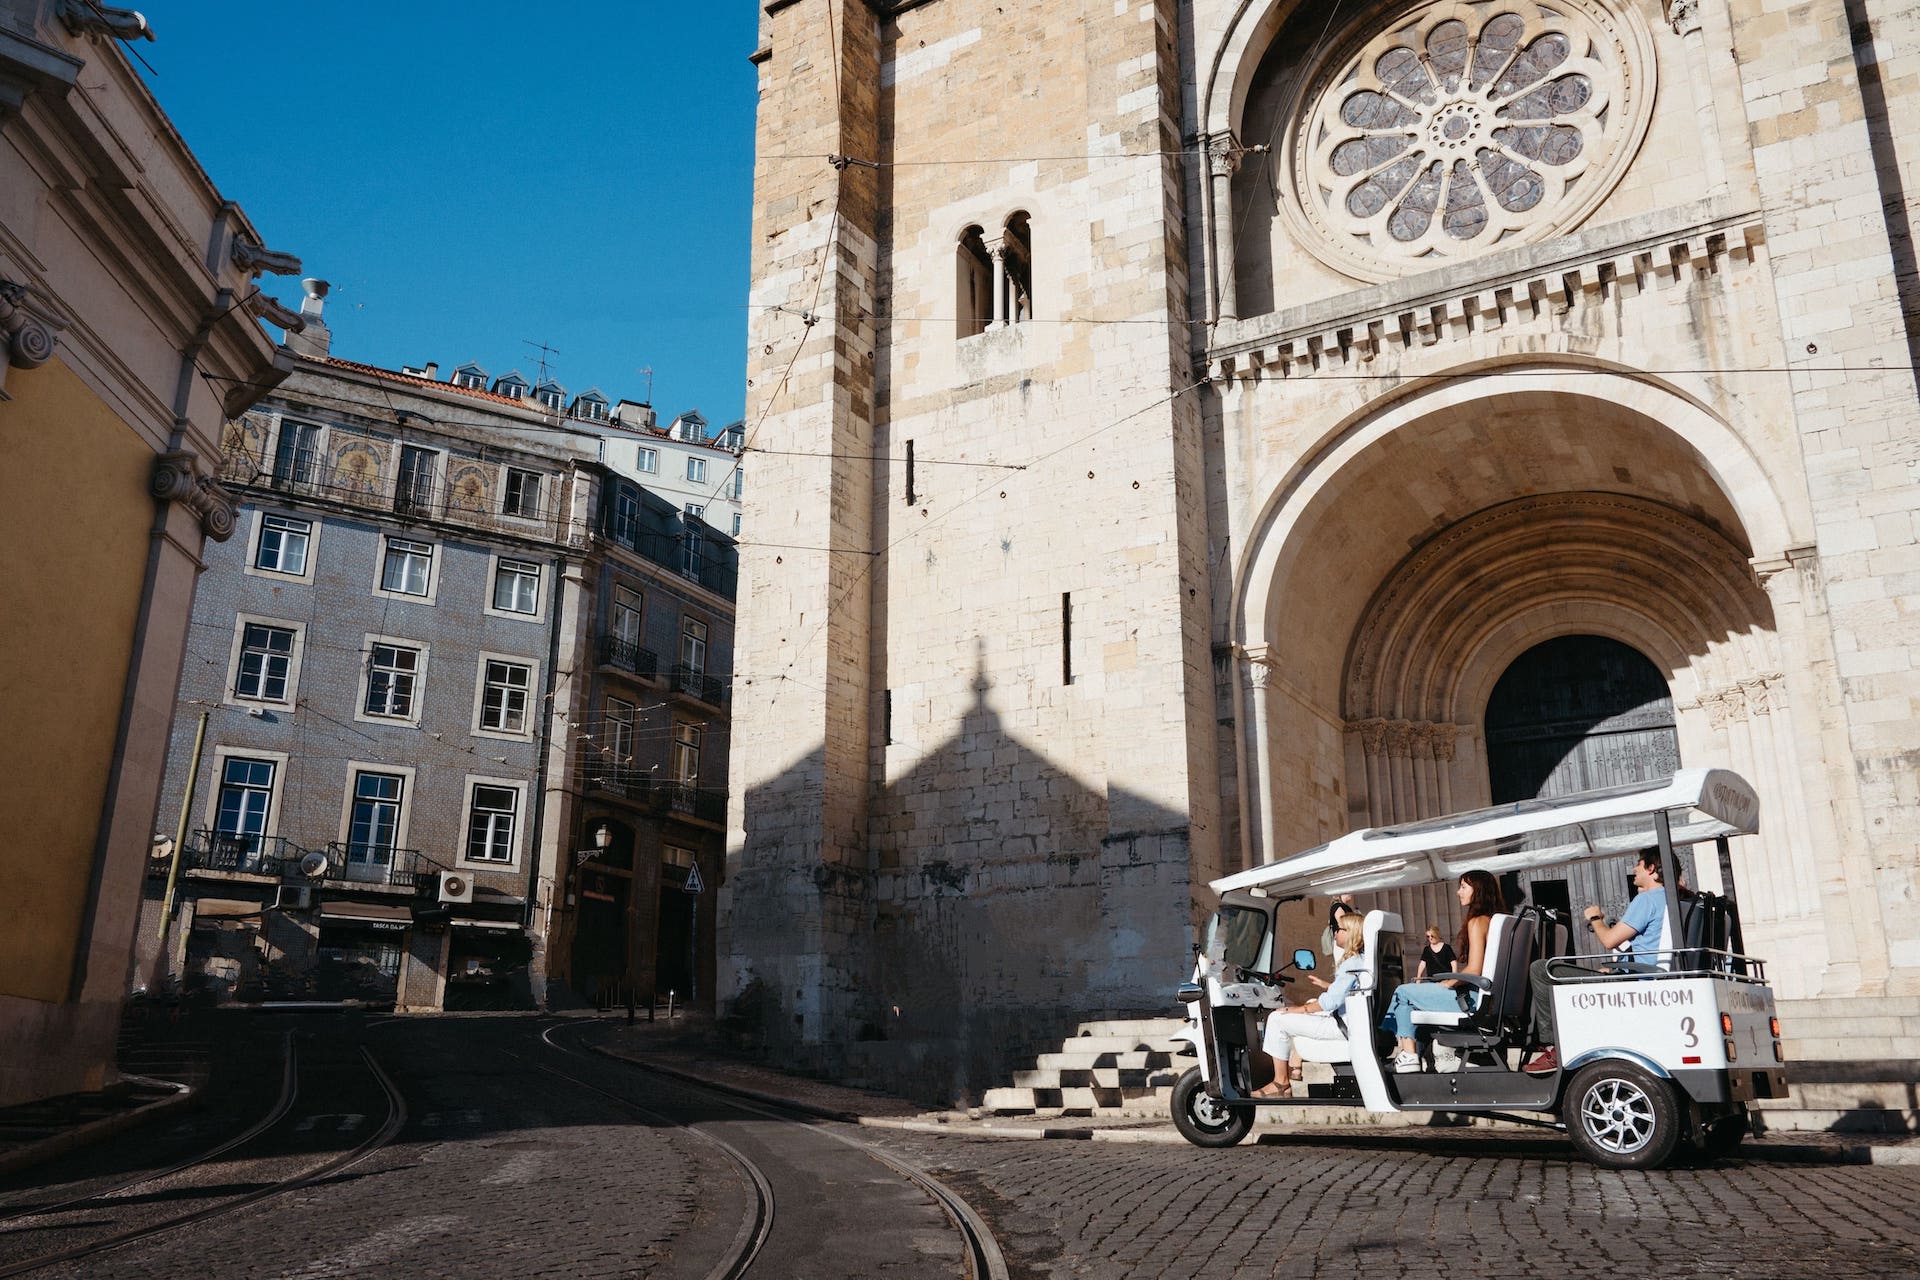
x=69, y=602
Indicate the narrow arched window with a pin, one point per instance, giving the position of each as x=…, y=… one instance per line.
x=1017, y=240
x=973, y=286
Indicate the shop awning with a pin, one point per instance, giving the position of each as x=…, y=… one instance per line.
x=225, y=908
x=366, y=915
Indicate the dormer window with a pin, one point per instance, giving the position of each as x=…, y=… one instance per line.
x=552, y=395
x=590, y=406
x=470, y=376
x=513, y=386
x=690, y=427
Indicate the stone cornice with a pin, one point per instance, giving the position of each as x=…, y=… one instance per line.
x=1516, y=286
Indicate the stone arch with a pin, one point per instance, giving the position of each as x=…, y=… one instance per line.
x=1413, y=551
x=1715, y=446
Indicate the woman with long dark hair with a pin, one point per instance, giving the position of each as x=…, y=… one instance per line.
x=1480, y=898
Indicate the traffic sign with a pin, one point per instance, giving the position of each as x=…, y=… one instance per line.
x=693, y=884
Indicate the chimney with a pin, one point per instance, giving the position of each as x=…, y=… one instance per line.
x=432, y=371
x=316, y=339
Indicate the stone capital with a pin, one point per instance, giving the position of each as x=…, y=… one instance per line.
x=1373, y=735
x=176, y=478
x=29, y=333
x=1223, y=155
x=1683, y=16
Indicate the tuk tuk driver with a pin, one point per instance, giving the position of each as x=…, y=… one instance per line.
x=1639, y=930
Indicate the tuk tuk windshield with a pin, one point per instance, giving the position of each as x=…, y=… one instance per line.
x=1237, y=936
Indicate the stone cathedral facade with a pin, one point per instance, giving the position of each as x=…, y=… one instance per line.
x=1197, y=428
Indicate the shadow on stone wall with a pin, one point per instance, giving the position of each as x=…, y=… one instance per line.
x=997, y=901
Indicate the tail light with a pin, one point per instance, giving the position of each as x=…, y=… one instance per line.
x=1779, y=1054
x=1726, y=1024
x=1773, y=1025
x=1733, y=1054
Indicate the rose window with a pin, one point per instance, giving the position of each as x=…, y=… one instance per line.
x=1463, y=127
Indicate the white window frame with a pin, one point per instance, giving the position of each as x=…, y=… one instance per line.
x=647, y=460
x=539, y=613
x=539, y=478
x=231, y=696
x=221, y=754
x=433, y=570
x=631, y=724
x=639, y=611
x=696, y=470
x=534, y=697
x=688, y=640
x=360, y=711
x=258, y=527
x=696, y=743
x=736, y=524
x=519, y=842
x=402, y=838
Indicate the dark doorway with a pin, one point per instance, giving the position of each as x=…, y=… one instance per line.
x=600, y=935
x=1573, y=714
x=673, y=960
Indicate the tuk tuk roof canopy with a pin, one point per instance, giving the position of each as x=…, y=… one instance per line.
x=1700, y=804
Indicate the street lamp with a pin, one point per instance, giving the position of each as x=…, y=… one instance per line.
x=602, y=836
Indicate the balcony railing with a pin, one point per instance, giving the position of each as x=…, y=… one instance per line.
x=223, y=851
x=624, y=654
x=697, y=684
x=358, y=863
x=598, y=773
x=690, y=801
x=365, y=472
x=208, y=850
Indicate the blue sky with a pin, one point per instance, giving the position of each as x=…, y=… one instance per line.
x=472, y=175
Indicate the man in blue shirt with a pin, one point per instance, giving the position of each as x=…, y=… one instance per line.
x=1640, y=930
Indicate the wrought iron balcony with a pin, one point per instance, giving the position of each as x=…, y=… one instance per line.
x=689, y=801
x=597, y=773
x=697, y=684
x=358, y=862
x=254, y=855
x=624, y=654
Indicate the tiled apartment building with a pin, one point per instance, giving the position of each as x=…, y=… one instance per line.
x=393, y=660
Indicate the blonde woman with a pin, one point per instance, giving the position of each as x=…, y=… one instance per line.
x=1314, y=1020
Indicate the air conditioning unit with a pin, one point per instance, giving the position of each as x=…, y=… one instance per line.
x=456, y=886
x=292, y=897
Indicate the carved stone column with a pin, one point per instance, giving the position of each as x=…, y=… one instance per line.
x=1223, y=161
x=1373, y=749
x=997, y=250
x=1259, y=671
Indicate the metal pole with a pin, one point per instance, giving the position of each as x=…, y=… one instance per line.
x=160, y=965
x=1675, y=934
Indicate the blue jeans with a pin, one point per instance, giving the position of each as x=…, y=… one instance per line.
x=1409, y=996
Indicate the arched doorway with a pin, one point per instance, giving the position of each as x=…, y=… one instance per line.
x=1572, y=714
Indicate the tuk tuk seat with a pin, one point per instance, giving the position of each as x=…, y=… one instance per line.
x=1502, y=990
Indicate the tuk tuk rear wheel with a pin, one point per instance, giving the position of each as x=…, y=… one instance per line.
x=1621, y=1116
x=1203, y=1120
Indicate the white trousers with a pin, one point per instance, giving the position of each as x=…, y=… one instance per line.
x=1278, y=1038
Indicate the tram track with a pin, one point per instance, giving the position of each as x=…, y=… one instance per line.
x=983, y=1257
x=333, y=1165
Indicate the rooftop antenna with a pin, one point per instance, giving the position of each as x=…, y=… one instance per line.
x=647, y=373
x=544, y=351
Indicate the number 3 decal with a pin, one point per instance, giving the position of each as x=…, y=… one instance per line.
x=1686, y=1029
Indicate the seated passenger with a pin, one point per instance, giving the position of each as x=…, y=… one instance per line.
x=1480, y=895
x=1437, y=957
x=1639, y=930
x=1314, y=1020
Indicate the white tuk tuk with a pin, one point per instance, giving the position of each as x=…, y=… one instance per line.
x=1651, y=1055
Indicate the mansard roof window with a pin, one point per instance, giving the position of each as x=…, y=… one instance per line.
x=470, y=376
x=590, y=405
x=512, y=385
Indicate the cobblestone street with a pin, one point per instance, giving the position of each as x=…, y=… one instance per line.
x=1361, y=1207
x=522, y=1156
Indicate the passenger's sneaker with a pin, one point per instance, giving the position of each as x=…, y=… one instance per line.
x=1406, y=1063
x=1544, y=1063
x=1446, y=1061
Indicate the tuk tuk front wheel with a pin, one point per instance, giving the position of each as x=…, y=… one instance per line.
x=1203, y=1120
x=1620, y=1116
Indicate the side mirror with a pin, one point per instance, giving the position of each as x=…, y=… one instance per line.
x=1303, y=960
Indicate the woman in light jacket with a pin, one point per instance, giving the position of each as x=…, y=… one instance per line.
x=1314, y=1020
